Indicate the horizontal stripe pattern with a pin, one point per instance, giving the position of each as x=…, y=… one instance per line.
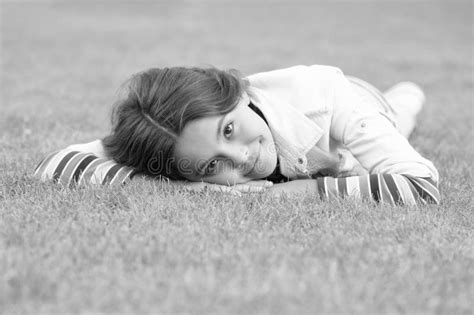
x=72, y=168
x=394, y=189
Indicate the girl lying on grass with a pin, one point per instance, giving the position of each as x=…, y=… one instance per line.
x=304, y=129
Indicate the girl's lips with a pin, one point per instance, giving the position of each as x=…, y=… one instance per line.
x=255, y=163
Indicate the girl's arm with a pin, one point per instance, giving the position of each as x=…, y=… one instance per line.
x=394, y=189
x=70, y=167
x=86, y=164
x=399, y=174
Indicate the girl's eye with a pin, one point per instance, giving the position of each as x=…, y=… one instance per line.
x=228, y=130
x=211, y=167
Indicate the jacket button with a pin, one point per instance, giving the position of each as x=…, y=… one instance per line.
x=300, y=160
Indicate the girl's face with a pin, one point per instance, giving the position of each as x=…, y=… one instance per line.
x=227, y=149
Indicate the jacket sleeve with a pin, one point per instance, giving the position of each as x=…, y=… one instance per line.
x=398, y=174
x=371, y=137
x=82, y=164
x=394, y=189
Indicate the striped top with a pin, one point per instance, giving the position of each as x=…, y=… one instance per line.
x=394, y=189
x=72, y=168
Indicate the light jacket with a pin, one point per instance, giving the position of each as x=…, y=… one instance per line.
x=309, y=107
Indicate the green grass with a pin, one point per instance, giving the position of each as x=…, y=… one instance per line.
x=149, y=247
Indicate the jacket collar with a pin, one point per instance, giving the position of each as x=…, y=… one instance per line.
x=294, y=134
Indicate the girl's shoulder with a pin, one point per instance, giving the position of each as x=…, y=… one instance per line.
x=295, y=71
x=297, y=77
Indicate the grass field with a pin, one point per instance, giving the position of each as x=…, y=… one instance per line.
x=149, y=248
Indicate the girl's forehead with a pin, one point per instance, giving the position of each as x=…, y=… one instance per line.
x=197, y=137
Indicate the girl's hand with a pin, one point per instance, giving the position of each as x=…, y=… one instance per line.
x=248, y=187
x=357, y=170
x=254, y=186
x=295, y=186
x=349, y=166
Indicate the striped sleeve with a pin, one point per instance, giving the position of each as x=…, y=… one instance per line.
x=73, y=168
x=394, y=189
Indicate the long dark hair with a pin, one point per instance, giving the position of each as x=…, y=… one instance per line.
x=160, y=102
